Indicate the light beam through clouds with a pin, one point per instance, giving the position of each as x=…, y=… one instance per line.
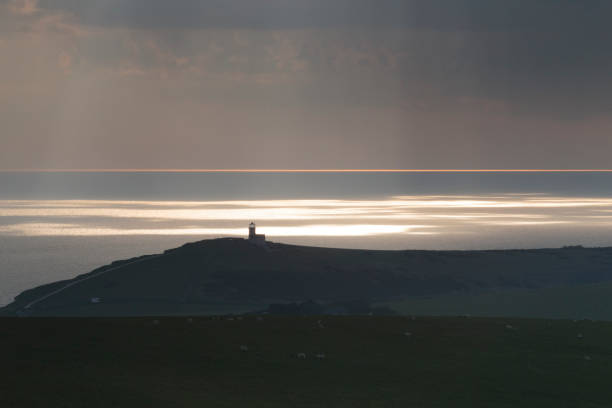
x=305, y=84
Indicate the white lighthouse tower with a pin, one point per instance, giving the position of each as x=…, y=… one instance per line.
x=259, y=239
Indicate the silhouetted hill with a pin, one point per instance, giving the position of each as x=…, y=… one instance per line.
x=234, y=275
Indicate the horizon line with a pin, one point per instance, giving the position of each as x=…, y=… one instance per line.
x=122, y=170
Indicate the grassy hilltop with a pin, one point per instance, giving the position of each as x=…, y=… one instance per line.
x=369, y=362
x=233, y=275
x=366, y=361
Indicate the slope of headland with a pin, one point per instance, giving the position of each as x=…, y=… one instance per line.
x=233, y=275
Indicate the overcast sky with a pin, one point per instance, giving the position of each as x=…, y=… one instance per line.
x=305, y=84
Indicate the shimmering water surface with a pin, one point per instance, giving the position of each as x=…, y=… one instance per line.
x=53, y=226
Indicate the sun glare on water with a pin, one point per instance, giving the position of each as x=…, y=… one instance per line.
x=409, y=216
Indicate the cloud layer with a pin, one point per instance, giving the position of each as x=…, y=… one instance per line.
x=277, y=83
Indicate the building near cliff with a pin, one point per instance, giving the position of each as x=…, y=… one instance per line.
x=259, y=239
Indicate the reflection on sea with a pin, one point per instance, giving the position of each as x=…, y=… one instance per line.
x=423, y=217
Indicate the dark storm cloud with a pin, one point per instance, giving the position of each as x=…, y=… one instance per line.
x=286, y=14
x=508, y=45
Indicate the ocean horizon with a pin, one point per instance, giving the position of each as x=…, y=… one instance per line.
x=57, y=225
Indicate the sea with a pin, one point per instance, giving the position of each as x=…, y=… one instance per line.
x=56, y=225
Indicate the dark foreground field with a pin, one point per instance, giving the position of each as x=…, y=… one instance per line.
x=369, y=362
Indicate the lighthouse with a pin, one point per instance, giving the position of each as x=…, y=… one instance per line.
x=259, y=239
x=252, y=231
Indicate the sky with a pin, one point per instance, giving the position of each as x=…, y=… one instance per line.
x=311, y=84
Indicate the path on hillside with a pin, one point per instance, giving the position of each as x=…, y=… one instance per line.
x=55, y=292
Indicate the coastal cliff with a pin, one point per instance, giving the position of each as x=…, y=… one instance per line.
x=231, y=275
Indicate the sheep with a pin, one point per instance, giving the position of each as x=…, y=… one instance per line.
x=244, y=348
x=579, y=335
x=407, y=334
x=320, y=356
x=320, y=324
x=301, y=356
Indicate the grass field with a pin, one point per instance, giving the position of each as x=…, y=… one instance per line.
x=369, y=362
x=576, y=302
